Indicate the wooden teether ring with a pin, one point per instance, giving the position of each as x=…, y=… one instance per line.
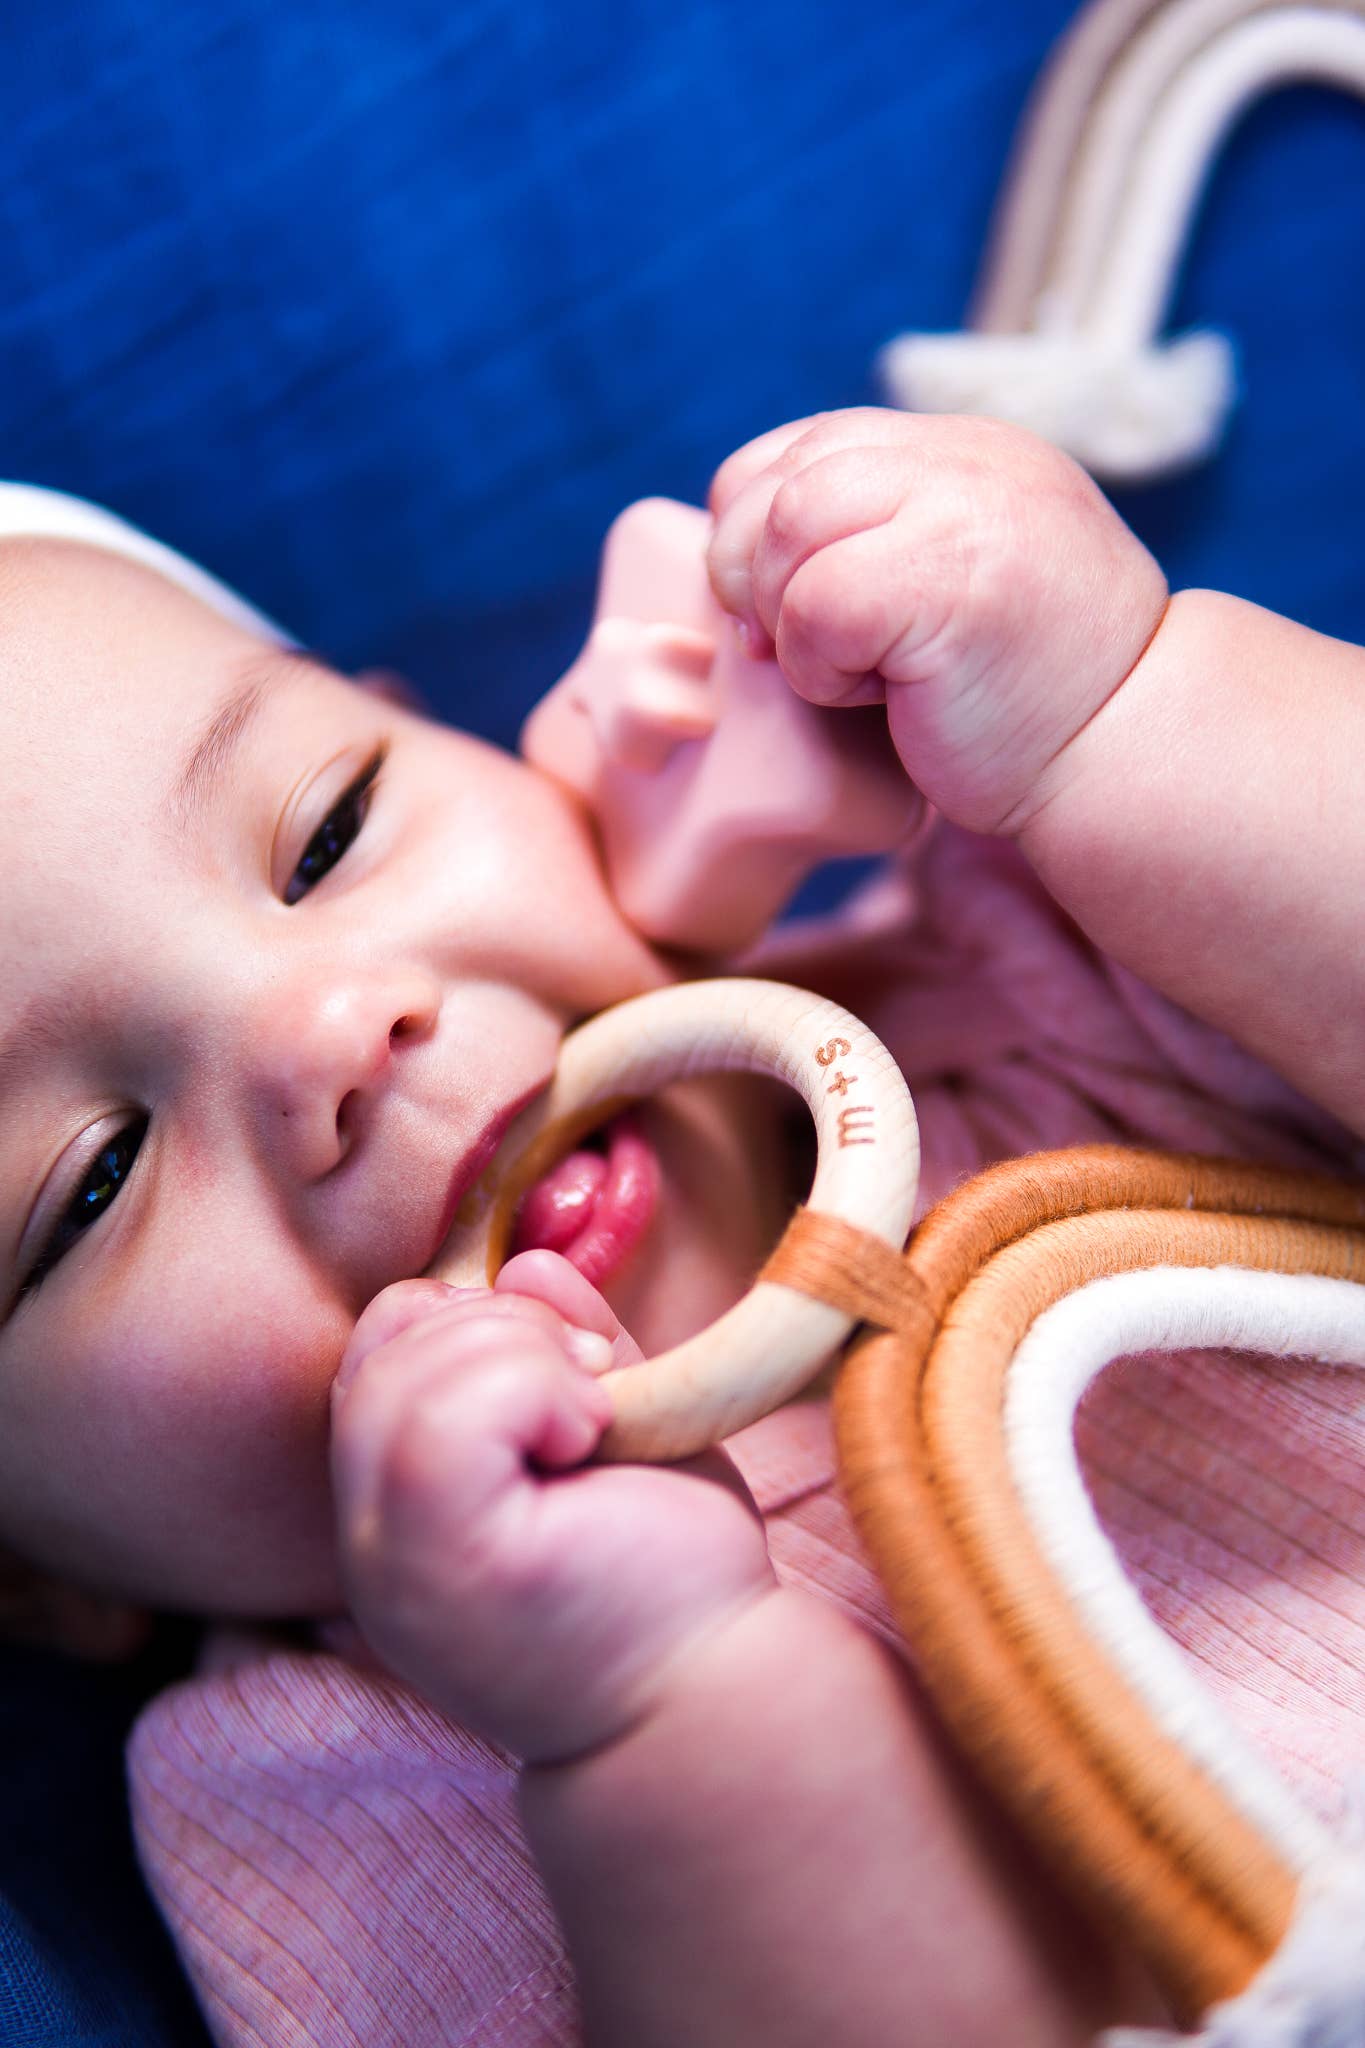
x=766, y=1348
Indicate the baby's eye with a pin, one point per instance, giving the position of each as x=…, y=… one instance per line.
x=337, y=831
x=103, y=1178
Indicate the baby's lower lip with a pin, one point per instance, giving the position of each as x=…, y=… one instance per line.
x=594, y=1207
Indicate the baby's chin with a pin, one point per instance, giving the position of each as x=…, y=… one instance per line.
x=723, y=1199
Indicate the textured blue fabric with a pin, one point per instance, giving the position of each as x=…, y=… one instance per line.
x=383, y=308
x=383, y=311
x=84, y=1962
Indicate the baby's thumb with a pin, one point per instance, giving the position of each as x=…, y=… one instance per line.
x=548, y=1277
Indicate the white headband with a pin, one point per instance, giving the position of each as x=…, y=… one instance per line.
x=29, y=512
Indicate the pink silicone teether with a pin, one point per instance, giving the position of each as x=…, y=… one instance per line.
x=714, y=787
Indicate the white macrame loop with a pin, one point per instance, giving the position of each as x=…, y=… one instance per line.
x=1105, y=220
x=1127, y=414
x=1311, y=1993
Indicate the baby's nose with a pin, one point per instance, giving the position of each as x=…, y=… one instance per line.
x=328, y=1051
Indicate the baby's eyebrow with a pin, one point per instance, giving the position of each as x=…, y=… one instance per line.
x=209, y=758
x=45, y=1021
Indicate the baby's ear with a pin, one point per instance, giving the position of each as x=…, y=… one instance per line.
x=49, y=1613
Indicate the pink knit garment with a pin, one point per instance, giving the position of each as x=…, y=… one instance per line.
x=340, y=1865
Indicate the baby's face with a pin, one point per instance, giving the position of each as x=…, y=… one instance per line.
x=276, y=955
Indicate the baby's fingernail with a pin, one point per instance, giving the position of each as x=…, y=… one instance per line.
x=597, y=1400
x=752, y=638
x=588, y=1348
x=351, y=1359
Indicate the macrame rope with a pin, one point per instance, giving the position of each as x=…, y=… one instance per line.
x=1116, y=148
x=1105, y=87
x=1104, y=1789
x=1052, y=134
x=1162, y=1308
x=1127, y=300
x=1006, y=1202
x=832, y=1260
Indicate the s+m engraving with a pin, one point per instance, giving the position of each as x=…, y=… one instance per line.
x=855, y=1125
x=856, y=1119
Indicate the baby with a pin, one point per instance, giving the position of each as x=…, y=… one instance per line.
x=284, y=958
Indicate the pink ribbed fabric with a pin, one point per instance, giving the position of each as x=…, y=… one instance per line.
x=337, y=1864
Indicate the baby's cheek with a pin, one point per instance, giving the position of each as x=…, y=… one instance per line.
x=217, y=1432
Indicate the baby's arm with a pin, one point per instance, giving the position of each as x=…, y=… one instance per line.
x=1206, y=829
x=1183, y=772
x=784, y=1854
x=748, y=1828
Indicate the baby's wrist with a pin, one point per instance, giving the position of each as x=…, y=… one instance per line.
x=702, y=1695
x=1105, y=749
x=1085, y=744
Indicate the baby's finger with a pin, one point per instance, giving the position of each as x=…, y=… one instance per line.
x=786, y=448
x=730, y=556
x=410, y=1305
x=827, y=500
x=391, y=1312
x=551, y=1279
x=749, y=461
x=743, y=508
x=516, y=1403
x=845, y=613
x=461, y=1416
x=740, y=526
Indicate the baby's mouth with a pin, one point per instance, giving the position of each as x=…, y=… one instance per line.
x=596, y=1204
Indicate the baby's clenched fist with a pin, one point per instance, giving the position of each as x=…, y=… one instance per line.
x=535, y=1598
x=965, y=572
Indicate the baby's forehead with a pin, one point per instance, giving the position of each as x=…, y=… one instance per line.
x=39, y=569
x=99, y=651
x=57, y=586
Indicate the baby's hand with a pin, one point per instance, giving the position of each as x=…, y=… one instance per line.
x=965, y=572
x=533, y=1598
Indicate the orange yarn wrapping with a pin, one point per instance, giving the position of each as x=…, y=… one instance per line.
x=1115, y=1806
